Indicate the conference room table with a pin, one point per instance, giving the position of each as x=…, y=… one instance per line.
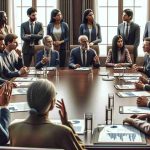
x=86, y=92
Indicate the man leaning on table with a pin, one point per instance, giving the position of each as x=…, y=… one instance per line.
x=83, y=56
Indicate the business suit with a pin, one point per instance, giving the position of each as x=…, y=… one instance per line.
x=95, y=33
x=54, y=59
x=64, y=36
x=133, y=36
x=75, y=58
x=42, y=133
x=147, y=64
x=4, y=123
x=28, y=51
x=147, y=30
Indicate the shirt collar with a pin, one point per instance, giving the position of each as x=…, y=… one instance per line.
x=32, y=22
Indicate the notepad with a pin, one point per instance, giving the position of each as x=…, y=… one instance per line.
x=25, y=79
x=23, y=84
x=83, y=69
x=35, y=72
x=19, y=91
x=125, y=87
x=121, y=134
x=108, y=78
x=121, y=68
x=134, y=110
x=49, y=68
x=127, y=74
x=133, y=94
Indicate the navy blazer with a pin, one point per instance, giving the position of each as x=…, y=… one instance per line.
x=4, y=123
x=95, y=33
x=147, y=65
x=147, y=30
x=75, y=58
x=133, y=36
x=54, y=59
x=36, y=37
x=64, y=34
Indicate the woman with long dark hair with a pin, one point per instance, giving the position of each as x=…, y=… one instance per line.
x=4, y=27
x=90, y=28
x=59, y=31
x=118, y=56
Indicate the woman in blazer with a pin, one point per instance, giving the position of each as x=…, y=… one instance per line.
x=90, y=28
x=118, y=56
x=59, y=31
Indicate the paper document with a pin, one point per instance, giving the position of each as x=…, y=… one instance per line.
x=133, y=94
x=25, y=79
x=35, y=72
x=23, y=84
x=127, y=74
x=125, y=87
x=121, y=68
x=83, y=69
x=108, y=78
x=20, y=106
x=120, y=134
x=49, y=68
x=134, y=110
x=19, y=91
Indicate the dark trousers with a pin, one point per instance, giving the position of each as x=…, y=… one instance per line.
x=27, y=58
x=62, y=57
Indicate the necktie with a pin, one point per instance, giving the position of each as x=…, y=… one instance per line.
x=84, y=58
x=32, y=28
x=127, y=31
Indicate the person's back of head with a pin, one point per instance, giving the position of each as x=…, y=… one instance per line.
x=41, y=96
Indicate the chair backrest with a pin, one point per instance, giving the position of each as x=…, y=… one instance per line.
x=37, y=48
x=95, y=47
x=129, y=47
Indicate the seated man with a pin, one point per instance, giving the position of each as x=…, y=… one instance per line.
x=5, y=93
x=2, y=45
x=47, y=57
x=41, y=98
x=146, y=67
x=139, y=122
x=83, y=56
x=11, y=59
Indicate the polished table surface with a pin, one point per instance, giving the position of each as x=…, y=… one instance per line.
x=83, y=92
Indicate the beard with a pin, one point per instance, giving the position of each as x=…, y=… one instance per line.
x=32, y=19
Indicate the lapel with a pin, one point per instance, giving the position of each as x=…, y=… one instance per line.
x=79, y=59
x=131, y=27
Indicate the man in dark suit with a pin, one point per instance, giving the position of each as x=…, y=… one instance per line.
x=47, y=57
x=31, y=33
x=147, y=30
x=11, y=59
x=130, y=31
x=5, y=93
x=83, y=56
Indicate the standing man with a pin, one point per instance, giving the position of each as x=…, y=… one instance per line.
x=31, y=33
x=130, y=31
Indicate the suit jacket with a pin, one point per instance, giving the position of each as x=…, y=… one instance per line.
x=4, y=123
x=42, y=133
x=133, y=36
x=54, y=62
x=95, y=33
x=125, y=58
x=147, y=30
x=64, y=34
x=75, y=58
x=36, y=37
x=147, y=64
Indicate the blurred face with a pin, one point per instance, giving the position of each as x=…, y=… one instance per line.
x=125, y=17
x=33, y=16
x=146, y=47
x=120, y=43
x=13, y=45
x=2, y=46
x=84, y=43
x=90, y=16
x=58, y=17
x=48, y=43
x=5, y=18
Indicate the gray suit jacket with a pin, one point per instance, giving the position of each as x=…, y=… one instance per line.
x=133, y=36
x=38, y=34
x=147, y=30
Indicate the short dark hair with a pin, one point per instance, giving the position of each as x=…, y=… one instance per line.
x=129, y=12
x=1, y=37
x=31, y=10
x=10, y=38
x=147, y=39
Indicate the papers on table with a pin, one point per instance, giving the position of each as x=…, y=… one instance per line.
x=78, y=124
x=133, y=94
x=49, y=68
x=125, y=87
x=83, y=69
x=121, y=134
x=130, y=79
x=104, y=73
x=19, y=91
x=35, y=72
x=23, y=84
x=121, y=68
x=25, y=79
x=127, y=74
x=108, y=78
x=20, y=106
x=134, y=110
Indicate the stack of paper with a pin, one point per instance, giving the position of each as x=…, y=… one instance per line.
x=19, y=91
x=125, y=87
x=84, y=69
x=23, y=84
x=25, y=79
x=127, y=74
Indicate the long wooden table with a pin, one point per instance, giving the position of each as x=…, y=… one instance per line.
x=85, y=92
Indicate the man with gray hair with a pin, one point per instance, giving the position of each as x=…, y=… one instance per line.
x=83, y=56
x=48, y=56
